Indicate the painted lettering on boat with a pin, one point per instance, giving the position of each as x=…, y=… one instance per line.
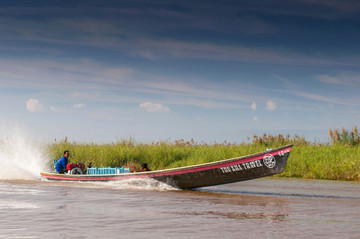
x=242, y=166
x=283, y=152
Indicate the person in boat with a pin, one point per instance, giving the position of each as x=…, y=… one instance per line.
x=61, y=164
x=144, y=167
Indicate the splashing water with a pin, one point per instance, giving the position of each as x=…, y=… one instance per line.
x=139, y=184
x=146, y=184
x=20, y=156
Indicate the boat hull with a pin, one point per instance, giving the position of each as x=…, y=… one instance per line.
x=221, y=172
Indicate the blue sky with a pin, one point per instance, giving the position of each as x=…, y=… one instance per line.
x=100, y=71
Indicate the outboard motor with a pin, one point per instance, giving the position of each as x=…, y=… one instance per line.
x=75, y=168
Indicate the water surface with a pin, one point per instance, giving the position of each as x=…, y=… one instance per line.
x=263, y=208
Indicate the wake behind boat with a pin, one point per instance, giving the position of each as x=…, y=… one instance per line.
x=201, y=175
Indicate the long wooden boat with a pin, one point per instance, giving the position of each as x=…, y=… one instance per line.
x=248, y=167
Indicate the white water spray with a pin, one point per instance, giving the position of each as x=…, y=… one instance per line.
x=20, y=156
x=138, y=184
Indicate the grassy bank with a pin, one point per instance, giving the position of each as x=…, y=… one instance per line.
x=337, y=161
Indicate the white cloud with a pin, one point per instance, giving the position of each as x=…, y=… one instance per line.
x=253, y=106
x=33, y=105
x=270, y=105
x=191, y=50
x=153, y=107
x=79, y=106
x=329, y=79
x=90, y=83
x=339, y=80
x=85, y=94
x=332, y=100
x=144, y=54
x=55, y=109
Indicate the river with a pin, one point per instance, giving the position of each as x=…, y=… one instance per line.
x=262, y=208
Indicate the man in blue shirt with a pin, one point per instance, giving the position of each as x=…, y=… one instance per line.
x=61, y=164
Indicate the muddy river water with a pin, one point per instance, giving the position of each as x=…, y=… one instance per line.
x=263, y=208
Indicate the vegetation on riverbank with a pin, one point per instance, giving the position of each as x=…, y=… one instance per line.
x=337, y=160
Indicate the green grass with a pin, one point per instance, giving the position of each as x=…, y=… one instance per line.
x=336, y=162
x=307, y=160
x=160, y=155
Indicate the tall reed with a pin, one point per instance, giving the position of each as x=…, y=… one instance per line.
x=351, y=137
x=338, y=159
